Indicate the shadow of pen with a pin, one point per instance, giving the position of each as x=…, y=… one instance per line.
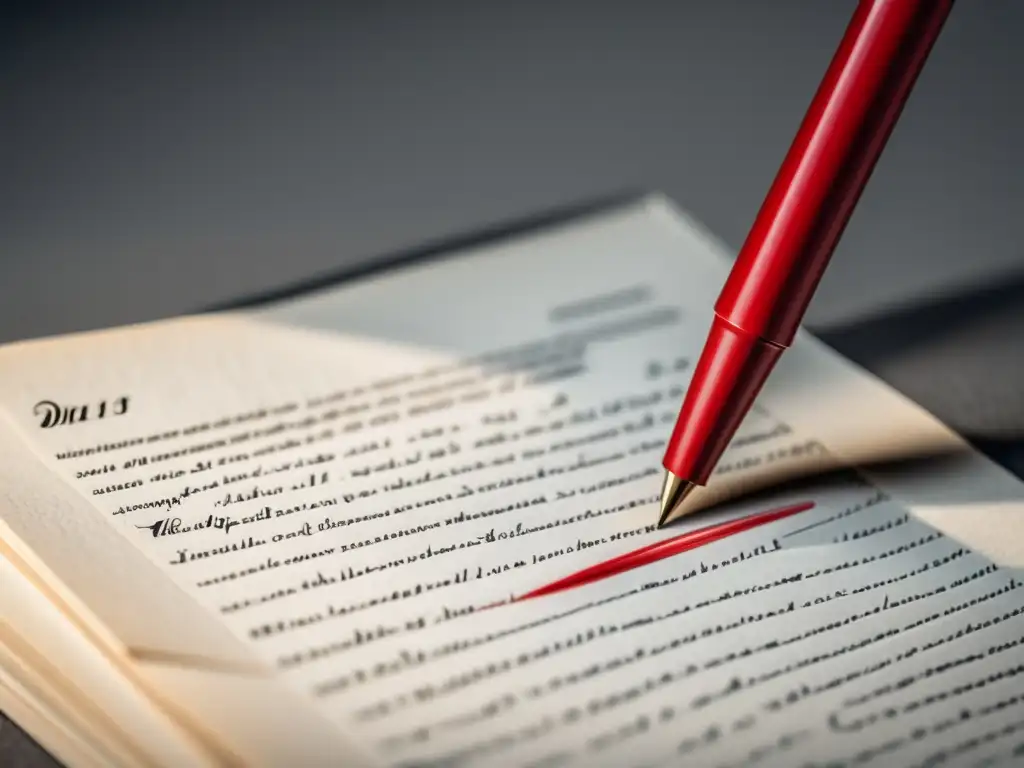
x=934, y=336
x=908, y=458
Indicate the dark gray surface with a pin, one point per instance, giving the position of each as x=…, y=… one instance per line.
x=157, y=160
x=17, y=750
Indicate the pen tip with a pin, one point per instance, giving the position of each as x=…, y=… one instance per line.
x=673, y=492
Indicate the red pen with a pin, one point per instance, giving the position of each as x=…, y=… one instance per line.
x=667, y=548
x=797, y=228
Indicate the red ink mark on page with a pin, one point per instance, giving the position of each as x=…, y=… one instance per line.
x=662, y=549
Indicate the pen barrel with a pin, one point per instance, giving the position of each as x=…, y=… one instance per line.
x=831, y=158
x=728, y=377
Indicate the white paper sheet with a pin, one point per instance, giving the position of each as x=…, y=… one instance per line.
x=343, y=482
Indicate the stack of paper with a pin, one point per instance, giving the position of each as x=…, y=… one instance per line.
x=292, y=535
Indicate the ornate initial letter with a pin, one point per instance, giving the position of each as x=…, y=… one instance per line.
x=50, y=412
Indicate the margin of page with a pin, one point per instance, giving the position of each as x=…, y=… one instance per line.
x=234, y=714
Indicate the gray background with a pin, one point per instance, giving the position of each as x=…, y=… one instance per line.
x=156, y=159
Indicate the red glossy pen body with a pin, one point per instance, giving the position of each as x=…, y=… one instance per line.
x=797, y=229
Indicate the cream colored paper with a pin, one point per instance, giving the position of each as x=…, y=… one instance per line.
x=267, y=485
x=41, y=651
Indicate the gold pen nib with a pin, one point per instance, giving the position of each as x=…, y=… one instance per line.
x=673, y=491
